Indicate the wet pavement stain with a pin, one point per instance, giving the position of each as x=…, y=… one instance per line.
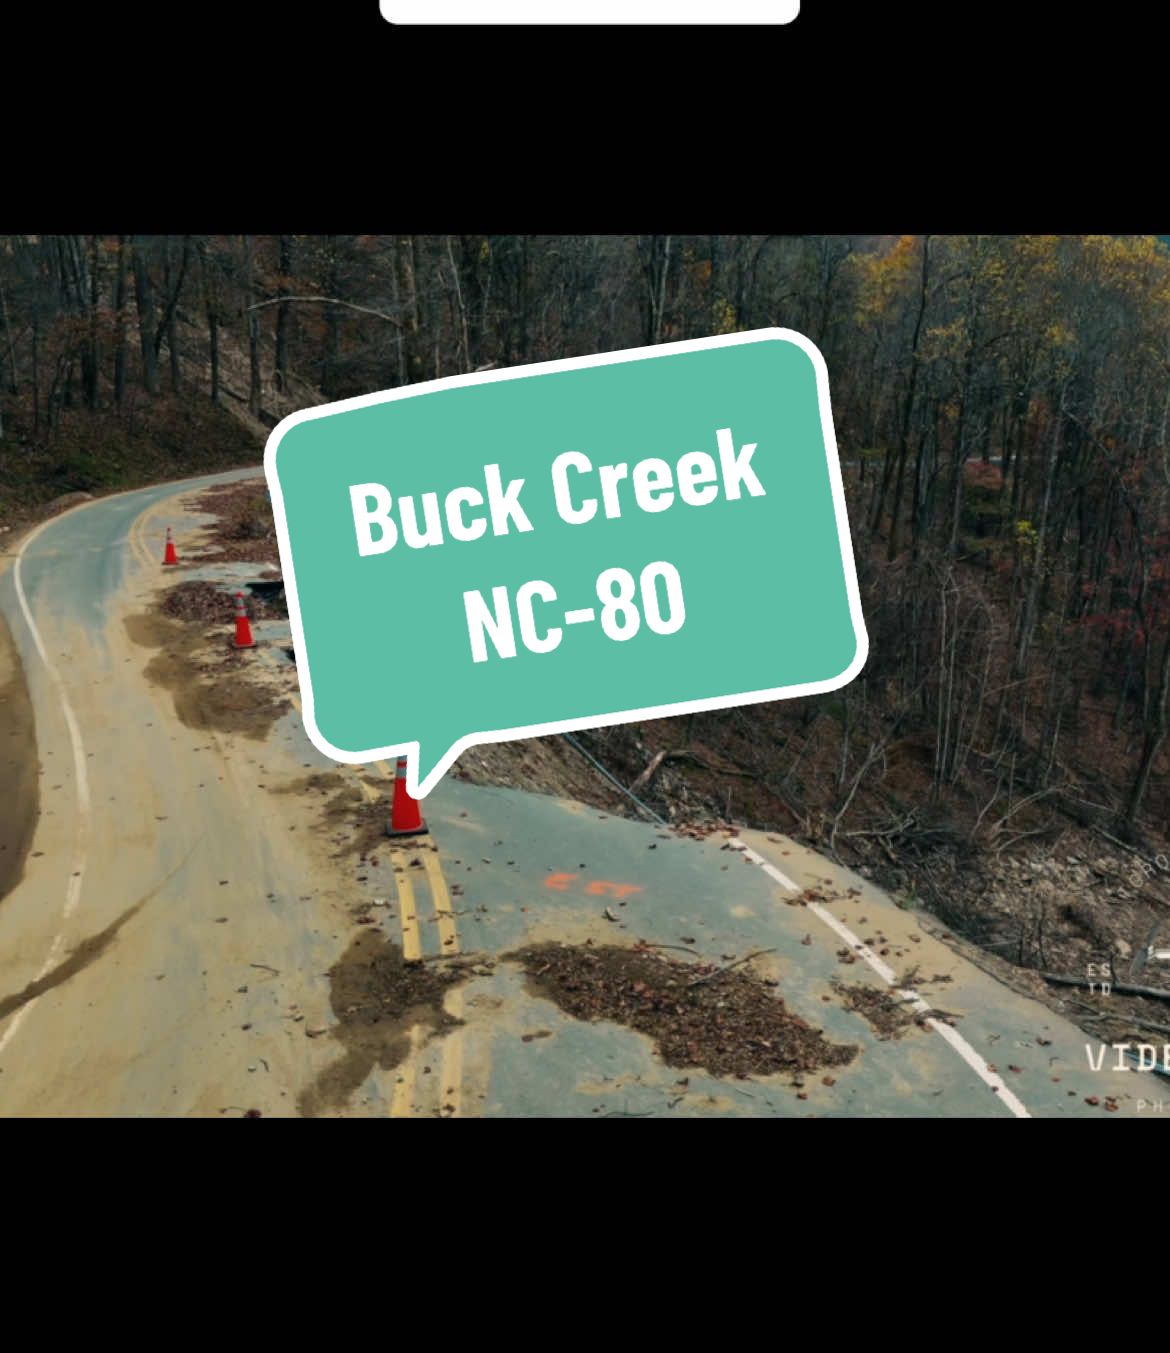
x=19, y=783
x=87, y=952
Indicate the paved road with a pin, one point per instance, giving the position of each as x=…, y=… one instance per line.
x=167, y=948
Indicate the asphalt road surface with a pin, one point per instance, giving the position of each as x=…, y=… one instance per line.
x=168, y=946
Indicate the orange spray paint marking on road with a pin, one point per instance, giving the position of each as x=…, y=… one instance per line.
x=560, y=883
x=601, y=888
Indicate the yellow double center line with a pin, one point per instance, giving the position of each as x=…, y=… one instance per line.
x=402, y=1101
x=450, y=1082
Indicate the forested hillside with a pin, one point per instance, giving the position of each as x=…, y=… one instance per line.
x=1002, y=407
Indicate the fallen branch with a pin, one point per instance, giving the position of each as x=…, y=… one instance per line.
x=898, y=829
x=325, y=300
x=649, y=773
x=471, y=960
x=994, y=830
x=1127, y=1020
x=727, y=967
x=685, y=754
x=1122, y=988
x=1036, y=831
x=682, y=948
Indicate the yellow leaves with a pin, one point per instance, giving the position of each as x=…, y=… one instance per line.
x=1132, y=264
x=945, y=340
x=1038, y=253
x=723, y=317
x=1027, y=537
x=883, y=276
x=1037, y=305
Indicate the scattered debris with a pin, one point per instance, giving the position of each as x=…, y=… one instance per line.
x=734, y=1027
x=884, y=1013
x=376, y=998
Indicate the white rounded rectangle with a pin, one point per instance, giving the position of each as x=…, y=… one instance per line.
x=472, y=12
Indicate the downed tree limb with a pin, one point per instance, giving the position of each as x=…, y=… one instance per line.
x=474, y=959
x=682, y=948
x=727, y=967
x=650, y=772
x=326, y=300
x=1122, y=988
x=685, y=754
x=1140, y=1023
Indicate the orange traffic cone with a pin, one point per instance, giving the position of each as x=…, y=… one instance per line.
x=405, y=817
x=243, y=627
x=170, y=557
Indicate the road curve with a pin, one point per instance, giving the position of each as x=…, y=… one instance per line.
x=167, y=948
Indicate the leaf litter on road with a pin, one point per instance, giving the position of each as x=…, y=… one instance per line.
x=732, y=1024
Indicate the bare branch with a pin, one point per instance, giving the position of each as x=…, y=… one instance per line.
x=326, y=300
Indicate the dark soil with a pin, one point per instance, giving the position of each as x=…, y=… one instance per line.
x=319, y=782
x=885, y=1014
x=730, y=1025
x=365, y=819
x=212, y=605
x=244, y=531
x=210, y=694
x=376, y=997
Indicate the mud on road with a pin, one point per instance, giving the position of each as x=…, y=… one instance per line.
x=215, y=687
x=376, y=998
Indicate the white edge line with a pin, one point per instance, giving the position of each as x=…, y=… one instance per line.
x=412, y=750
x=80, y=780
x=947, y=1032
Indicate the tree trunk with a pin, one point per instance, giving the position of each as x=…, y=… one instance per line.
x=144, y=300
x=211, y=311
x=282, y=313
x=36, y=372
x=1153, y=742
x=120, y=324
x=9, y=344
x=908, y=403
x=94, y=364
x=170, y=287
x=253, y=325
x=1028, y=618
x=332, y=346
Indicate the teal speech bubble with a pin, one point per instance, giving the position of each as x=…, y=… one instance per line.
x=567, y=545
